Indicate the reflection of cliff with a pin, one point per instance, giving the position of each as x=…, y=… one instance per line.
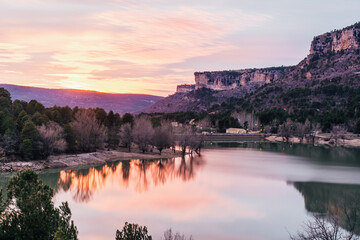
x=341, y=200
x=140, y=173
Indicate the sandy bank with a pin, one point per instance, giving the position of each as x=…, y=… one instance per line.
x=95, y=158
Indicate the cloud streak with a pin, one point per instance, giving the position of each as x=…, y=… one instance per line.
x=137, y=46
x=63, y=44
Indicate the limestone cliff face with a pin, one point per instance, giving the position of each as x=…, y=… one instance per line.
x=226, y=80
x=334, y=59
x=185, y=88
x=346, y=39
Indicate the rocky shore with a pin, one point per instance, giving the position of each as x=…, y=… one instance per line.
x=351, y=141
x=95, y=158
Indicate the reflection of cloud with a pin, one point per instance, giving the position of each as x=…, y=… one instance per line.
x=84, y=43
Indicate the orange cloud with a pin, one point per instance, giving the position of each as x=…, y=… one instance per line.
x=82, y=44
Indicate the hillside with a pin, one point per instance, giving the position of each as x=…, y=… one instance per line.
x=120, y=103
x=200, y=99
x=323, y=80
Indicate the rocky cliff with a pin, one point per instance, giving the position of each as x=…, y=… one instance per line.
x=184, y=88
x=334, y=58
x=345, y=39
x=226, y=80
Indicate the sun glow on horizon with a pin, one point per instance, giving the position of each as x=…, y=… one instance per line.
x=145, y=47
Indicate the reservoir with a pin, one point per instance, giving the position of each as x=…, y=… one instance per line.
x=241, y=190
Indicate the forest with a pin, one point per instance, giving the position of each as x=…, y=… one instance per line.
x=30, y=131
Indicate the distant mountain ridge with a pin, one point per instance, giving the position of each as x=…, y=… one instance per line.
x=120, y=103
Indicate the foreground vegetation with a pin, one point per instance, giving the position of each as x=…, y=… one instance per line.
x=31, y=131
x=132, y=231
x=29, y=213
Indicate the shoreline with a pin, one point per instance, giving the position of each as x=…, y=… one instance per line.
x=102, y=157
x=82, y=159
x=321, y=140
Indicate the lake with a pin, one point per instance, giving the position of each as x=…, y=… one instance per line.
x=244, y=190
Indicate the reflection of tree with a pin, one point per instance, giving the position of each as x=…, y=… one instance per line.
x=125, y=167
x=339, y=202
x=185, y=170
x=143, y=166
x=84, y=180
x=165, y=170
x=140, y=173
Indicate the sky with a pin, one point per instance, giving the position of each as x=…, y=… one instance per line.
x=150, y=46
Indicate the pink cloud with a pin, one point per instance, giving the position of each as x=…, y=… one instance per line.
x=83, y=41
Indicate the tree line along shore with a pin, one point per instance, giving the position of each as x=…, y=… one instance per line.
x=29, y=131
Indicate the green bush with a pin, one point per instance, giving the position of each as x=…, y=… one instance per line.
x=132, y=231
x=29, y=213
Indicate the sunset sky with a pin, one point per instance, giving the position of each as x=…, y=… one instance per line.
x=123, y=46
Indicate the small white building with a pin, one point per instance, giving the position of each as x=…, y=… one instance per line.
x=236, y=131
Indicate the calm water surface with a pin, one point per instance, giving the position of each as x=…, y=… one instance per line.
x=233, y=191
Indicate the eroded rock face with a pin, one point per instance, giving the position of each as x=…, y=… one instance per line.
x=226, y=80
x=348, y=38
x=185, y=88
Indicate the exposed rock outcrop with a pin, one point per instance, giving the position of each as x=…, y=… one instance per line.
x=333, y=55
x=345, y=39
x=226, y=80
x=184, y=88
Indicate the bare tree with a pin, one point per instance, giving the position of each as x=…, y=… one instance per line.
x=287, y=129
x=142, y=133
x=299, y=131
x=126, y=135
x=338, y=132
x=338, y=222
x=91, y=135
x=183, y=136
x=52, y=139
x=302, y=129
x=321, y=228
x=162, y=138
x=169, y=235
x=186, y=138
x=196, y=143
x=315, y=130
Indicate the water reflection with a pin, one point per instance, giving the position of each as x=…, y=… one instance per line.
x=142, y=173
x=340, y=200
x=339, y=156
x=237, y=195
